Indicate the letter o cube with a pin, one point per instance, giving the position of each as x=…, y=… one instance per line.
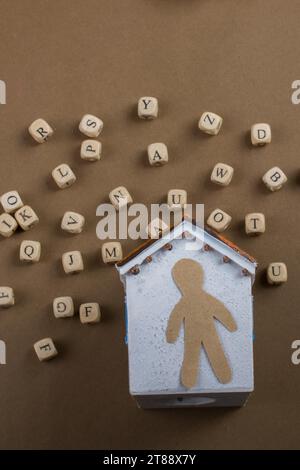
x=11, y=201
x=219, y=220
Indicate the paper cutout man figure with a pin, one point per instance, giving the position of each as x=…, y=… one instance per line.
x=198, y=310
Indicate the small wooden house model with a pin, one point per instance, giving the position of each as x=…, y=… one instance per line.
x=189, y=310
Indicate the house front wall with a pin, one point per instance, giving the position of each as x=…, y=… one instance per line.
x=154, y=364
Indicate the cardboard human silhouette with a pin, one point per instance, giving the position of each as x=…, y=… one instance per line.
x=198, y=310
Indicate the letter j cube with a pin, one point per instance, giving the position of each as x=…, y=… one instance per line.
x=72, y=262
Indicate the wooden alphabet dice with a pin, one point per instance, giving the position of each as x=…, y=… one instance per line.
x=40, y=130
x=63, y=307
x=156, y=228
x=72, y=222
x=260, y=134
x=72, y=262
x=45, y=349
x=90, y=312
x=147, y=107
x=274, y=179
x=111, y=252
x=210, y=123
x=158, y=154
x=30, y=251
x=91, y=125
x=91, y=150
x=63, y=176
x=7, y=297
x=177, y=199
x=11, y=201
x=222, y=174
x=255, y=223
x=8, y=225
x=120, y=197
x=26, y=217
x=277, y=273
x=219, y=220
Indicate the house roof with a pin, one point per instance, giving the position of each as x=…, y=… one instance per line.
x=144, y=247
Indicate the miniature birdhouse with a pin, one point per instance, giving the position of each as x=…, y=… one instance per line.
x=189, y=317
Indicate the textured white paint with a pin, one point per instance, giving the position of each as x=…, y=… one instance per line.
x=154, y=364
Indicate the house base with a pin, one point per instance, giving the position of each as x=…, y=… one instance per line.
x=199, y=400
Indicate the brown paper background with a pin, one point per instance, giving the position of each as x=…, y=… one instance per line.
x=61, y=59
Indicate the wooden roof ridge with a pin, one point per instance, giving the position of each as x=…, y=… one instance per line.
x=136, y=251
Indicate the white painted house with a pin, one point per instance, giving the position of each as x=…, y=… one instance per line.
x=150, y=296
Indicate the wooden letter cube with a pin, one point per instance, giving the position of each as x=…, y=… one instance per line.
x=91, y=125
x=255, y=223
x=210, y=123
x=26, y=217
x=219, y=220
x=177, y=199
x=156, y=228
x=111, y=252
x=8, y=225
x=274, y=179
x=120, y=197
x=30, y=251
x=91, y=150
x=63, y=307
x=11, y=201
x=72, y=262
x=158, y=154
x=40, y=130
x=89, y=313
x=260, y=134
x=277, y=273
x=45, y=349
x=222, y=174
x=7, y=297
x=72, y=222
x=147, y=107
x=63, y=176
